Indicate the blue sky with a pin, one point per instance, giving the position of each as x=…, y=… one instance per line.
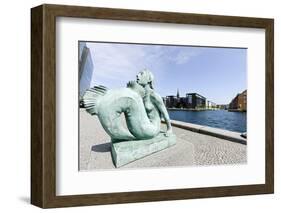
x=216, y=73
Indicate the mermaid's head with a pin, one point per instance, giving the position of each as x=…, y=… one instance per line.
x=145, y=77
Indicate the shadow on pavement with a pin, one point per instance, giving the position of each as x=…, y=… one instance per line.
x=105, y=147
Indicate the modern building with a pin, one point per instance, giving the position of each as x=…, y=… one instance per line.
x=171, y=101
x=195, y=101
x=239, y=102
x=222, y=106
x=190, y=101
x=182, y=102
x=86, y=68
x=210, y=105
x=175, y=101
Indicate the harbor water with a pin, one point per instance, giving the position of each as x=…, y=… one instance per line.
x=223, y=119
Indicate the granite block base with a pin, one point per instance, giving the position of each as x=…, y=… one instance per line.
x=129, y=151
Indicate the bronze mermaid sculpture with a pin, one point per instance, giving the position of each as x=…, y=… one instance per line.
x=141, y=105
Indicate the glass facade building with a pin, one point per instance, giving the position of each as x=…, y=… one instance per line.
x=86, y=68
x=194, y=100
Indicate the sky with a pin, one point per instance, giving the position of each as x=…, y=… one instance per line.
x=218, y=74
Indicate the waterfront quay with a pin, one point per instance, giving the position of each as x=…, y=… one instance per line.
x=197, y=145
x=191, y=109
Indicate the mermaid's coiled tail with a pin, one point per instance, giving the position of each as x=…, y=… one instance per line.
x=108, y=105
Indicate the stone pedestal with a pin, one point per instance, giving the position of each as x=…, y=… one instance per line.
x=129, y=151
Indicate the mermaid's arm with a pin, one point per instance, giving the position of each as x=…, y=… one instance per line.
x=158, y=102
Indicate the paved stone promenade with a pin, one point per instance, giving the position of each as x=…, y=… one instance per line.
x=192, y=149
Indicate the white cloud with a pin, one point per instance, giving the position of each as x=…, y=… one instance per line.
x=111, y=61
x=123, y=61
x=183, y=56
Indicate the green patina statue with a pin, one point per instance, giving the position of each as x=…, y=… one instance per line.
x=143, y=109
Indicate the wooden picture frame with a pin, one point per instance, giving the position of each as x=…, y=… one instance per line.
x=43, y=105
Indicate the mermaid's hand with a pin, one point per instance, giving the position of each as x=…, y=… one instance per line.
x=168, y=133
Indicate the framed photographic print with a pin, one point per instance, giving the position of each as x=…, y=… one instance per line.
x=136, y=106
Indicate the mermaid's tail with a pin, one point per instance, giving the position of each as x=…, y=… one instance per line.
x=92, y=97
x=108, y=105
